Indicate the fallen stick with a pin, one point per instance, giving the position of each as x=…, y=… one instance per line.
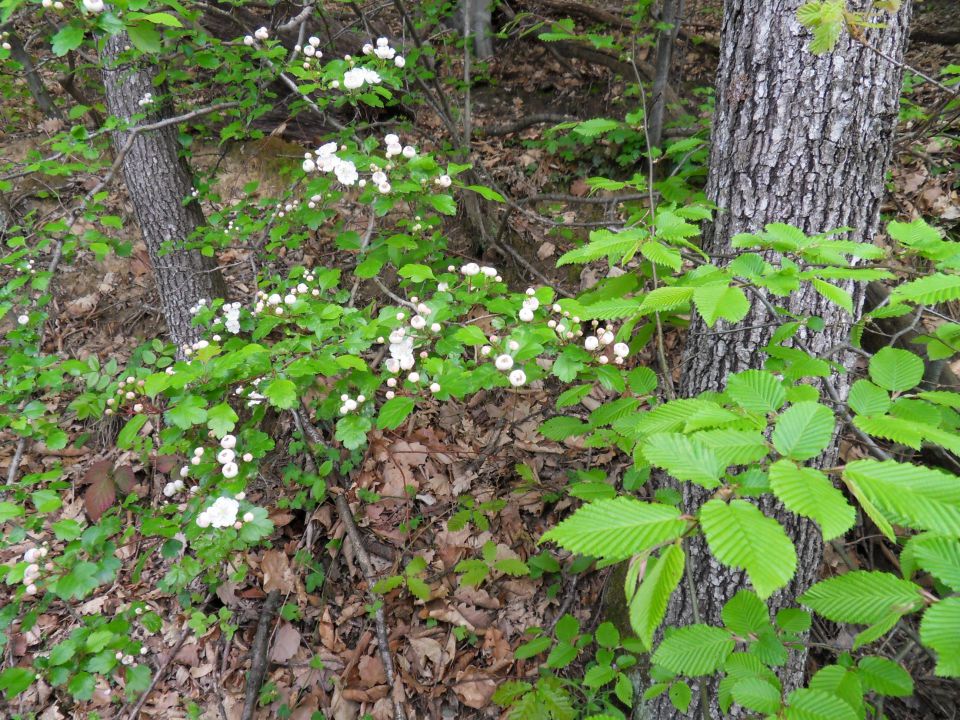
x=258, y=654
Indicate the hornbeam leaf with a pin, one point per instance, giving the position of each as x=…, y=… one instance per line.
x=649, y=603
x=863, y=597
x=810, y=493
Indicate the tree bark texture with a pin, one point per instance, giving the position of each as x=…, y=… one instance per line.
x=158, y=180
x=797, y=139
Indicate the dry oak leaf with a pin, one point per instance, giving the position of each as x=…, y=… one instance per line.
x=285, y=644
x=371, y=671
x=474, y=687
x=276, y=572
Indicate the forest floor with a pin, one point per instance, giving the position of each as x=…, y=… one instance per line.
x=455, y=649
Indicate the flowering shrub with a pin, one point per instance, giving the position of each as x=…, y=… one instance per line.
x=301, y=344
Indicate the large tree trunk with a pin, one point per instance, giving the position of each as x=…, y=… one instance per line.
x=158, y=180
x=797, y=139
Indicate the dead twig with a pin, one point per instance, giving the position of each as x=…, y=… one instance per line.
x=258, y=654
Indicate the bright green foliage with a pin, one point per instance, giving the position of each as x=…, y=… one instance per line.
x=863, y=597
x=694, y=650
x=803, y=431
x=648, y=601
x=810, y=493
x=938, y=630
x=741, y=536
x=618, y=528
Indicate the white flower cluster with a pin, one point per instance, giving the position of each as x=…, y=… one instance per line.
x=128, y=660
x=600, y=339
x=312, y=48
x=355, y=78
x=530, y=305
x=55, y=4
x=222, y=513
x=127, y=390
x=23, y=319
x=27, y=267
x=3, y=37
x=147, y=99
x=504, y=361
x=471, y=270
x=567, y=327
x=231, y=318
x=31, y=573
x=253, y=397
x=443, y=181
x=93, y=6
x=394, y=147
x=327, y=160
x=175, y=486
x=275, y=303
x=350, y=404
x=401, y=348
x=383, y=51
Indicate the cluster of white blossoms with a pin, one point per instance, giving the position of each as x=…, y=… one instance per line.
x=601, y=338
x=31, y=573
x=126, y=390
x=567, y=327
x=55, y=4
x=356, y=78
x=504, y=361
x=231, y=317
x=327, y=160
x=350, y=404
x=394, y=147
x=147, y=99
x=275, y=302
x=261, y=34
x=383, y=51
x=530, y=305
x=92, y=6
x=471, y=270
x=311, y=49
x=403, y=356
x=175, y=486
x=127, y=659
x=4, y=43
x=223, y=513
x=254, y=398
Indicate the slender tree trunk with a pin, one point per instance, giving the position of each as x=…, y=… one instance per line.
x=37, y=89
x=158, y=181
x=797, y=139
x=670, y=14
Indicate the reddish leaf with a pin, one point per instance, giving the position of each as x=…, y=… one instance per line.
x=165, y=463
x=124, y=478
x=97, y=471
x=100, y=495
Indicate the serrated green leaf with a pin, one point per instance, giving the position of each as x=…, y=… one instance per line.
x=803, y=430
x=666, y=298
x=694, y=650
x=884, y=677
x=868, y=399
x=938, y=555
x=862, y=597
x=684, y=458
x=938, y=630
x=910, y=495
x=221, y=419
x=896, y=370
x=756, y=694
x=617, y=528
x=745, y=614
x=928, y=290
x=648, y=604
x=281, y=393
x=741, y=536
x=721, y=302
x=807, y=704
x=808, y=492
x=756, y=391
x=352, y=431
x=394, y=411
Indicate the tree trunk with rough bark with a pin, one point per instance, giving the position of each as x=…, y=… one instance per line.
x=158, y=180
x=797, y=139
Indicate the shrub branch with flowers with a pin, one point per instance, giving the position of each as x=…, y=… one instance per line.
x=205, y=413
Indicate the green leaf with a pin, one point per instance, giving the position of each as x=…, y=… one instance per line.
x=937, y=554
x=648, y=604
x=221, y=419
x=158, y=18
x=281, y=393
x=862, y=597
x=803, y=430
x=838, y=296
x=144, y=37
x=595, y=126
x=756, y=391
x=534, y=647
x=694, y=650
x=15, y=680
x=187, y=412
x=560, y=427
x=393, y=412
x=745, y=614
x=910, y=495
x=680, y=695
x=126, y=436
x=808, y=492
x=938, y=630
x=70, y=37
x=416, y=273
x=352, y=431
x=756, y=694
x=741, y=536
x=666, y=298
x=716, y=302
x=734, y=447
x=598, y=676
x=617, y=528
x=684, y=458
x=867, y=399
x=896, y=370
x=884, y=677
x=486, y=193
x=928, y=290
x=807, y=704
